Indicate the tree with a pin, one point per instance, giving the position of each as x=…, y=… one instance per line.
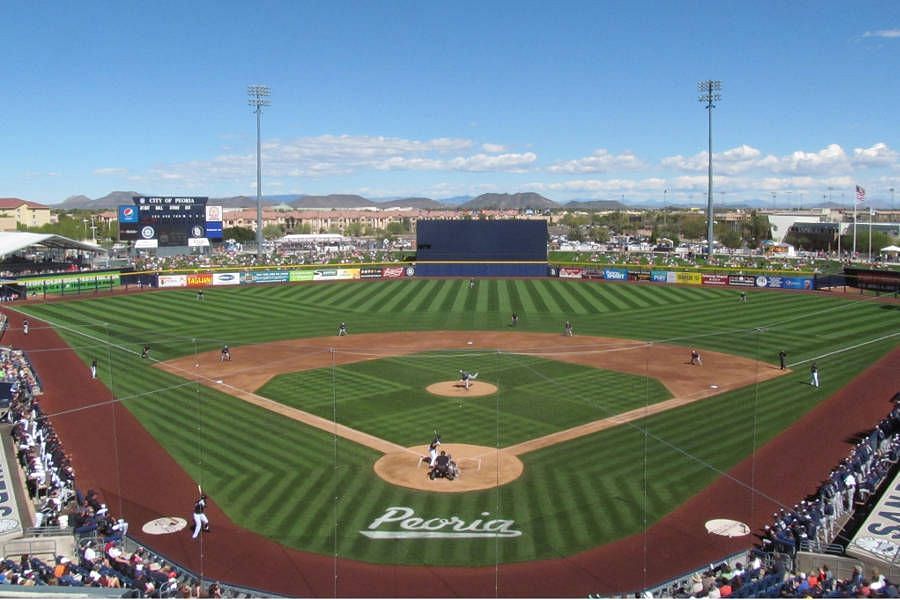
x=693, y=227
x=271, y=232
x=239, y=234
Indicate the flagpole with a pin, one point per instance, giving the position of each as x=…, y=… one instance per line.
x=871, y=214
x=855, y=202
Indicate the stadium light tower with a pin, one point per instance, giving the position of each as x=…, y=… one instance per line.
x=258, y=97
x=709, y=93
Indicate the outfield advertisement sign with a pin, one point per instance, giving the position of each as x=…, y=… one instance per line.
x=402, y=523
x=796, y=283
x=370, y=273
x=396, y=272
x=199, y=279
x=615, y=274
x=268, y=277
x=688, y=278
x=335, y=274
x=571, y=272
x=61, y=284
x=715, y=279
x=742, y=280
x=300, y=276
x=170, y=281
x=226, y=279
x=638, y=275
x=659, y=276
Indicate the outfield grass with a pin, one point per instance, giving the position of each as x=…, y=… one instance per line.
x=572, y=496
x=536, y=397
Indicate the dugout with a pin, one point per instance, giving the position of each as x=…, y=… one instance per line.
x=470, y=248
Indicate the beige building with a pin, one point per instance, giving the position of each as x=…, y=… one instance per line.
x=323, y=221
x=15, y=212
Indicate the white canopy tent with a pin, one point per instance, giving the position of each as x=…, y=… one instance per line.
x=15, y=241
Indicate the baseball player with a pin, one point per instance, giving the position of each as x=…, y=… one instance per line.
x=342, y=329
x=200, y=520
x=743, y=297
x=814, y=375
x=515, y=319
x=781, y=356
x=94, y=369
x=432, y=448
x=199, y=295
x=145, y=353
x=695, y=358
x=25, y=327
x=569, y=331
x=467, y=378
x=226, y=353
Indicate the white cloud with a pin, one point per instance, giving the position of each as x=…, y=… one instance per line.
x=111, y=171
x=493, y=148
x=830, y=158
x=732, y=161
x=601, y=161
x=883, y=33
x=878, y=155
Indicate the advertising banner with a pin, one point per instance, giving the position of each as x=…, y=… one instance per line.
x=335, y=274
x=638, y=275
x=226, y=279
x=662, y=276
x=592, y=274
x=197, y=242
x=305, y=275
x=715, y=279
x=61, y=284
x=146, y=243
x=570, y=272
x=742, y=280
x=370, y=273
x=877, y=537
x=199, y=279
x=688, y=278
x=270, y=276
x=169, y=281
x=393, y=272
x=796, y=283
x=615, y=274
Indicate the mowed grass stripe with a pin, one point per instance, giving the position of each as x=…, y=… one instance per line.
x=537, y=299
x=554, y=298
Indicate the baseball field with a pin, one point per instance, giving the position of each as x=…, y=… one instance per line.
x=612, y=428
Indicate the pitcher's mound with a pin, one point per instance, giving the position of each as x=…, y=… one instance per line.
x=457, y=389
x=481, y=468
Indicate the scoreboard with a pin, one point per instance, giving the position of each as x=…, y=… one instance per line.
x=168, y=221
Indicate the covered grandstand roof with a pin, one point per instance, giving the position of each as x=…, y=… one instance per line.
x=13, y=241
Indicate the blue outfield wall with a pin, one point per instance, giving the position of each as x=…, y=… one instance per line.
x=481, y=269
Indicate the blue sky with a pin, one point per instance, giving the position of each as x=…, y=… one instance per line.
x=568, y=99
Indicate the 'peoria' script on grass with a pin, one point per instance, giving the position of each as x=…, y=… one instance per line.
x=400, y=522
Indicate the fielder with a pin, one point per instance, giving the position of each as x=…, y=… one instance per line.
x=200, y=520
x=695, y=358
x=467, y=378
x=432, y=448
x=342, y=329
x=226, y=353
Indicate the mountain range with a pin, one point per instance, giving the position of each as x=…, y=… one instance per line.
x=493, y=201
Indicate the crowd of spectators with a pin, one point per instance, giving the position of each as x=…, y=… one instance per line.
x=15, y=369
x=768, y=573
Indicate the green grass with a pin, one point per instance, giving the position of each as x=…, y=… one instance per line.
x=536, y=397
x=572, y=496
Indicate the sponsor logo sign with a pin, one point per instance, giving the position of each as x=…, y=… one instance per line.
x=148, y=232
x=370, y=273
x=393, y=272
x=199, y=279
x=410, y=271
x=270, y=276
x=687, y=278
x=128, y=214
x=196, y=242
x=742, y=280
x=146, y=243
x=715, y=280
x=306, y=275
x=880, y=532
x=402, y=523
x=796, y=283
x=761, y=281
x=662, y=276
x=9, y=509
x=332, y=274
x=570, y=272
x=638, y=275
x=615, y=274
x=592, y=274
x=214, y=214
x=167, y=281
x=226, y=279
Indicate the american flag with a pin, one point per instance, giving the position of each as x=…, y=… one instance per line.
x=860, y=194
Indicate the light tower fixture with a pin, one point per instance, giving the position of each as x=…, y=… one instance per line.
x=258, y=97
x=709, y=94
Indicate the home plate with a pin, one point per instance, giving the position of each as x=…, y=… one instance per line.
x=727, y=527
x=164, y=525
